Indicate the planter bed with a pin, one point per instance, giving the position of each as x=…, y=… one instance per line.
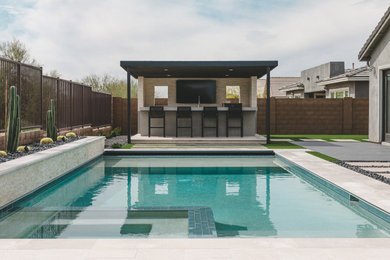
x=37, y=147
x=24, y=175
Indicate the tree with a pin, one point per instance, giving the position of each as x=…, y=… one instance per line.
x=107, y=83
x=53, y=74
x=16, y=50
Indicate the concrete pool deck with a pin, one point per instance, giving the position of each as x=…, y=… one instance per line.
x=258, y=248
x=366, y=188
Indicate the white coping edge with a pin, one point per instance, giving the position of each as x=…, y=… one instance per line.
x=221, y=248
x=34, y=158
x=366, y=188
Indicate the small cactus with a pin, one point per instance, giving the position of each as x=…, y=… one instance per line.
x=23, y=148
x=51, y=129
x=3, y=153
x=70, y=135
x=61, y=138
x=46, y=140
x=13, y=126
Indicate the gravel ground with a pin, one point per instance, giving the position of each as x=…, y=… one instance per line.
x=121, y=139
x=37, y=147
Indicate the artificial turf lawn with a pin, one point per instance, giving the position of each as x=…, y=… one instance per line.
x=323, y=156
x=127, y=146
x=282, y=145
x=324, y=137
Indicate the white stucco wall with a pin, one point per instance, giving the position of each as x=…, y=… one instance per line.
x=380, y=61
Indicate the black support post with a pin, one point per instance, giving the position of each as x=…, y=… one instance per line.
x=128, y=106
x=268, y=106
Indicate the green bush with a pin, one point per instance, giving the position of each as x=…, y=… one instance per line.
x=116, y=146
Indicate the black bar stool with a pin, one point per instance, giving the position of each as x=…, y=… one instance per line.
x=234, y=112
x=156, y=112
x=210, y=113
x=183, y=113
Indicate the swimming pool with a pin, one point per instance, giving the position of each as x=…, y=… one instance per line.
x=190, y=196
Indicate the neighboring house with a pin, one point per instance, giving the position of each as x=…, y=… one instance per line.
x=276, y=84
x=376, y=51
x=310, y=77
x=329, y=80
x=295, y=90
x=353, y=83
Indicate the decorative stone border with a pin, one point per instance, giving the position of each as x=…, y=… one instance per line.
x=24, y=175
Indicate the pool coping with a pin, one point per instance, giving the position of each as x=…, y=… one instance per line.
x=124, y=152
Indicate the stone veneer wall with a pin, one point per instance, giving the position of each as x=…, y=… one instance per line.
x=22, y=176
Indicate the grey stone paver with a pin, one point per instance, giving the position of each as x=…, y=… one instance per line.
x=312, y=140
x=345, y=140
x=350, y=151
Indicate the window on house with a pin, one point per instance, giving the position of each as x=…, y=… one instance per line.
x=346, y=93
x=339, y=94
x=233, y=94
x=160, y=95
x=332, y=95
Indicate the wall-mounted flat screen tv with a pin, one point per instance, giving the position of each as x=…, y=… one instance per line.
x=194, y=91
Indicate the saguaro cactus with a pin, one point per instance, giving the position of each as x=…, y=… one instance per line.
x=13, y=126
x=51, y=129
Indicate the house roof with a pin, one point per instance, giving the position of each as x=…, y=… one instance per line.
x=375, y=37
x=276, y=84
x=291, y=87
x=359, y=74
x=198, y=69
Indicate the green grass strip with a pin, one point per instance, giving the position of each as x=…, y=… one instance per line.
x=127, y=146
x=282, y=145
x=323, y=156
x=324, y=137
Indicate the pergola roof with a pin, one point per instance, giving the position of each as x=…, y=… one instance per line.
x=198, y=69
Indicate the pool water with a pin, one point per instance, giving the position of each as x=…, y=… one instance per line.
x=251, y=196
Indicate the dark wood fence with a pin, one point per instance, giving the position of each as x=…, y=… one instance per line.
x=76, y=104
x=288, y=116
x=315, y=116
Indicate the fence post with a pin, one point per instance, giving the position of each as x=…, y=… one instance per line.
x=71, y=104
x=57, y=102
x=19, y=80
x=41, y=98
x=273, y=115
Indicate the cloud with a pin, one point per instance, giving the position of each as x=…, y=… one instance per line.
x=91, y=36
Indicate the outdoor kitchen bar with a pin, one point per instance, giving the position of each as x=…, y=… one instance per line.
x=190, y=99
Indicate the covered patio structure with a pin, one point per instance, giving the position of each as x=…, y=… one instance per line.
x=214, y=81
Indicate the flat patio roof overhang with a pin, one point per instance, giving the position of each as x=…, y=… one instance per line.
x=198, y=69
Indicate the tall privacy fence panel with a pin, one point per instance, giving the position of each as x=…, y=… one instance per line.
x=314, y=116
x=75, y=104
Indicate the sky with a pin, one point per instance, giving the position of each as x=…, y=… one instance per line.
x=81, y=37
